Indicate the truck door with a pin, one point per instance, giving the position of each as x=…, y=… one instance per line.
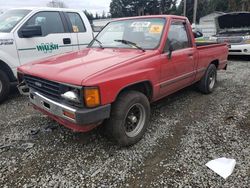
x=55, y=38
x=80, y=35
x=182, y=60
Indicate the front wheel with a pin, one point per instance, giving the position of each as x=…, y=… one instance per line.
x=207, y=83
x=4, y=86
x=129, y=118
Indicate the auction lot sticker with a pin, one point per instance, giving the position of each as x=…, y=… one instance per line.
x=156, y=29
x=140, y=24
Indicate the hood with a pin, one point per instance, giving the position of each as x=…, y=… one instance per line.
x=73, y=68
x=233, y=22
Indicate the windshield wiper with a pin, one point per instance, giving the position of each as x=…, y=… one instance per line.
x=100, y=44
x=130, y=43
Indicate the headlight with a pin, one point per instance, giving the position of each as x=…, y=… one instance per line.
x=71, y=96
x=246, y=39
x=92, y=97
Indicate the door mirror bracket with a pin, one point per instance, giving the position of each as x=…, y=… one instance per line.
x=170, y=51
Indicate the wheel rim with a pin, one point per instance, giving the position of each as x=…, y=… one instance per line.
x=212, y=79
x=135, y=120
x=1, y=86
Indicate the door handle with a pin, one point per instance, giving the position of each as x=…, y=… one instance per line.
x=66, y=41
x=190, y=55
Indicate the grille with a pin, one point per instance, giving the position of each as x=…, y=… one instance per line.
x=230, y=40
x=46, y=87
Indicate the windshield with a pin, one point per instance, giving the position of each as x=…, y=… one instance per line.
x=134, y=33
x=10, y=19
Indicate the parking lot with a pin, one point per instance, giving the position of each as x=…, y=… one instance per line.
x=186, y=130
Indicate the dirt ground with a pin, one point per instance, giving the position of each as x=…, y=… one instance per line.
x=186, y=130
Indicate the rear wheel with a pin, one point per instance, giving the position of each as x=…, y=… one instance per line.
x=4, y=86
x=207, y=83
x=129, y=118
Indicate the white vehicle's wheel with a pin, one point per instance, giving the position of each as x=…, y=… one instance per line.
x=4, y=86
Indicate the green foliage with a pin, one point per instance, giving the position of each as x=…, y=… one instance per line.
x=89, y=15
x=125, y=8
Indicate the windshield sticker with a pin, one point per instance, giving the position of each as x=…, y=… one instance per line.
x=47, y=47
x=140, y=24
x=156, y=29
x=6, y=42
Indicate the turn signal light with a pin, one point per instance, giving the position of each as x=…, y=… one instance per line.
x=92, y=97
x=69, y=114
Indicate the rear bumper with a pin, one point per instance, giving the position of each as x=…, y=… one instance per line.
x=243, y=49
x=84, y=119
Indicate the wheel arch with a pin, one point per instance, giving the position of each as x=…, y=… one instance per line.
x=145, y=87
x=5, y=68
x=216, y=63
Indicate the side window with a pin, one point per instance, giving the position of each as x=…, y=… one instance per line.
x=177, y=36
x=50, y=22
x=76, y=22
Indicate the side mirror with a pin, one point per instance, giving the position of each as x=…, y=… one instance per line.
x=197, y=34
x=31, y=31
x=170, y=50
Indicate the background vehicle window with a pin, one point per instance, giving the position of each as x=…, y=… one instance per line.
x=177, y=36
x=76, y=22
x=50, y=22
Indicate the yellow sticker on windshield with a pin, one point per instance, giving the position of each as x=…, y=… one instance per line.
x=155, y=28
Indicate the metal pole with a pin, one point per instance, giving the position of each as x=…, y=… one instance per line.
x=195, y=11
x=185, y=8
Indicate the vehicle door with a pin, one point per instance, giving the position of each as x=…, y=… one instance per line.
x=81, y=37
x=54, y=39
x=178, y=69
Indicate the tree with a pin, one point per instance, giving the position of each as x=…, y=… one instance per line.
x=97, y=16
x=239, y=5
x=103, y=15
x=122, y=8
x=57, y=4
x=116, y=8
x=89, y=15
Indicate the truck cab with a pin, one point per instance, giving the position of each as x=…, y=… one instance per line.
x=31, y=34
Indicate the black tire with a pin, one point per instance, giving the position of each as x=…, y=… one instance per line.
x=121, y=122
x=207, y=84
x=4, y=86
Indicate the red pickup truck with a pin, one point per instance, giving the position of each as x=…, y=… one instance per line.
x=131, y=63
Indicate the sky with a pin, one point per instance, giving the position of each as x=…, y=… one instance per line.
x=91, y=5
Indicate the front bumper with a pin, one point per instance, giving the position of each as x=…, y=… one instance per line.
x=243, y=49
x=82, y=117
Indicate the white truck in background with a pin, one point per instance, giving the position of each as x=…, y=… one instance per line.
x=234, y=29
x=30, y=34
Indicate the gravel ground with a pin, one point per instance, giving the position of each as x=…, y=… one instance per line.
x=186, y=130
